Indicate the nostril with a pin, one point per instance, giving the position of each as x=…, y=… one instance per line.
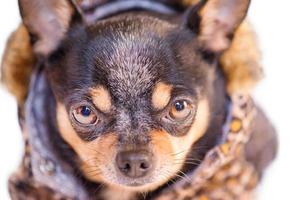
x=125, y=168
x=144, y=165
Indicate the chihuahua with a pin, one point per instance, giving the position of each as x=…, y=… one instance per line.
x=137, y=90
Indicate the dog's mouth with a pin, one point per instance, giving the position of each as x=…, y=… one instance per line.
x=147, y=183
x=136, y=183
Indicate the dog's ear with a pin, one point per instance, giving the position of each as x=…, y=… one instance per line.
x=47, y=22
x=215, y=22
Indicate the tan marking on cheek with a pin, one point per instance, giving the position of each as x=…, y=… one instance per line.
x=164, y=151
x=66, y=130
x=182, y=145
x=162, y=143
x=161, y=95
x=170, y=155
x=101, y=98
x=171, y=151
x=93, y=155
x=198, y=127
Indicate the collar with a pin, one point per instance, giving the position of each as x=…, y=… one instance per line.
x=96, y=10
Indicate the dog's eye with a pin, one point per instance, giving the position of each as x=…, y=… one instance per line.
x=180, y=110
x=84, y=115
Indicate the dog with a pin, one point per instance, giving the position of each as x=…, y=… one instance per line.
x=138, y=96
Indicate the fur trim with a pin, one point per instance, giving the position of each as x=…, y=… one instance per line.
x=17, y=64
x=188, y=3
x=241, y=62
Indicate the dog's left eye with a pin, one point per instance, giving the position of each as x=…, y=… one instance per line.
x=84, y=115
x=180, y=110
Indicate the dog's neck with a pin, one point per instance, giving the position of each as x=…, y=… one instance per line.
x=93, y=13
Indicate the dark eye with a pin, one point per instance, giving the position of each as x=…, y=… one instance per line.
x=180, y=110
x=84, y=115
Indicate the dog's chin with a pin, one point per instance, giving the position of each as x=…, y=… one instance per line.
x=136, y=185
x=145, y=184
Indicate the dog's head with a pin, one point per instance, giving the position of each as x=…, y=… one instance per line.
x=134, y=91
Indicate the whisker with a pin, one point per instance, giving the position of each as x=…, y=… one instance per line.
x=185, y=175
x=191, y=163
x=90, y=159
x=144, y=194
x=188, y=159
x=98, y=152
x=182, y=177
x=189, y=149
x=167, y=174
x=91, y=172
x=95, y=174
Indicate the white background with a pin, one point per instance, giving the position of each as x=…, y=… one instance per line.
x=279, y=30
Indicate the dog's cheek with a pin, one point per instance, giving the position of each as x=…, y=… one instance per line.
x=94, y=155
x=171, y=151
x=198, y=128
x=99, y=167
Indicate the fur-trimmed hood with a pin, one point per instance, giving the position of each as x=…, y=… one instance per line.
x=225, y=173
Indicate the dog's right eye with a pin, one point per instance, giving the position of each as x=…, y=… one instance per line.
x=84, y=115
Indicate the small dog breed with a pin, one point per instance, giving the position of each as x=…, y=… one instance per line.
x=136, y=93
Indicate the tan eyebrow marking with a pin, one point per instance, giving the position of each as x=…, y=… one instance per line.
x=161, y=95
x=101, y=98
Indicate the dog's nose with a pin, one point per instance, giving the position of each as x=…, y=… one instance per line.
x=134, y=164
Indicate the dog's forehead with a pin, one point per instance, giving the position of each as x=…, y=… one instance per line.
x=129, y=59
x=128, y=56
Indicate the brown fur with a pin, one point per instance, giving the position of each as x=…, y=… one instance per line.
x=241, y=62
x=101, y=98
x=161, y=95
x=189, y=2
x=17, y=64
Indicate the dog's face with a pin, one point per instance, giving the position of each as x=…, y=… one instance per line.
x=134, y=93
x=132, y=101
